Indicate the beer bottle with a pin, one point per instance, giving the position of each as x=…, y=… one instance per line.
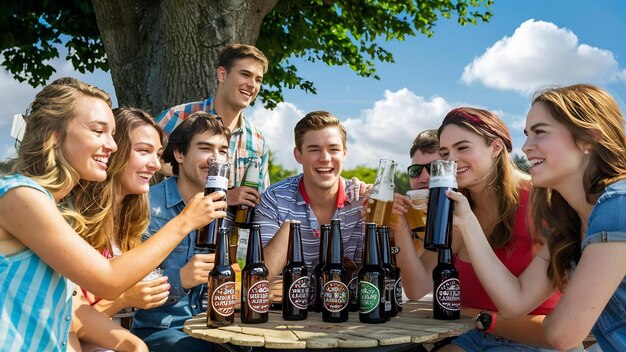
x=317, y=272
x=221, y=309
x=243, y=213
x=295, y=278
x=335, y=290
x=380, y=202
x=390, y=277
x=440, y=207
x=255, y=289
x=217, y=180
x=446, y=287
x=397, y=288
x=371, y=280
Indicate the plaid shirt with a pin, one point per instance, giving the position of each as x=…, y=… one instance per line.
x=245, y=142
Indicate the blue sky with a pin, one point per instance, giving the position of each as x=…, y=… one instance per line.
x=496, y=66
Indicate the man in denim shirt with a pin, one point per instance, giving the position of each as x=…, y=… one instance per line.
x=189, y=149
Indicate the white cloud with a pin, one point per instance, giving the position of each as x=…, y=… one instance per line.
x=384, y=131
x=539, y=54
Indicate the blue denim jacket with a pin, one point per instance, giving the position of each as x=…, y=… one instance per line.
x=165, y=204
x=607, y=223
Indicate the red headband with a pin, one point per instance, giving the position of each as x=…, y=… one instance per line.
x=459, y=114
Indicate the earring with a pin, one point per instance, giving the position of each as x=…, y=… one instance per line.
x=586, y=152
x=493, y=157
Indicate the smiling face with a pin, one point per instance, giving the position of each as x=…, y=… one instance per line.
x=88, y=142
x=556, y=160
x=143, y=160
x=194, y=165
x=322, y=156
x=239, y=86
x=475, y=159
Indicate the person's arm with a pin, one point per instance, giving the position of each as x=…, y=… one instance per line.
x=143, y=295
x=416, y=273
x=98, y=329
x=513, y=296
x=33, y=218
x=599, y=272
x=526, y=329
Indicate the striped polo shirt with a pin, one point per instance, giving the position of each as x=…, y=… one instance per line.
x=284, y=201
x=35, y=300
x=245, y=142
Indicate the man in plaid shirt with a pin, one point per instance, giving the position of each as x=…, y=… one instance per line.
x=240, y=73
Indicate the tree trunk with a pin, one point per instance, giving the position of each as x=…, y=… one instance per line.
x=164, y=53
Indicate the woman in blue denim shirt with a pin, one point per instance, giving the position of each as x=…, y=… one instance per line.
x=577, y=152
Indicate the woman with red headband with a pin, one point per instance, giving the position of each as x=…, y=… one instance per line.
x=498, y=193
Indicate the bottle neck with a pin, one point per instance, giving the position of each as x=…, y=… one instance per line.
x=221, y=254
x=385, y=249
x=335, y=244
x=323, y=250
x=372, y=254
x=255, y=253
x=294, y=252
x=444, y=256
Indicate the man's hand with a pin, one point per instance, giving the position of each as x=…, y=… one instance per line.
x=358, y=189
x=196, y=271
x=243, y=195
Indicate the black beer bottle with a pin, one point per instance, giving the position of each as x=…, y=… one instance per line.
x=317, y=272
x=390, y=276
x=221, y=307
x=243, y=213
x=397, y=288
x=440, y=207
x=255, y=289
x=295, y=278
x=371, y=280
x=334, y=274
x=446, y=288
x=217, y=180
x=353, y=284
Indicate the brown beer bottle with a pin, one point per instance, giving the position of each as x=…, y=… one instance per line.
x=295, y=278
x=255, y=289
x=221, y=307
x=243, y=213
x=334, y=275
x=317, y=272
x=217, y=180
x=446, y=288
x=371, y=280
x=397, y=288
x=390, y=276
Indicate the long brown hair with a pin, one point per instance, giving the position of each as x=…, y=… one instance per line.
x=125, y=224
x=583, y=109
x=507, y=179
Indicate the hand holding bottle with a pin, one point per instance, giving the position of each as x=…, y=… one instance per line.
x=202, y=210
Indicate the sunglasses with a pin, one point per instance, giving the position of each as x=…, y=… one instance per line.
x=416, y=169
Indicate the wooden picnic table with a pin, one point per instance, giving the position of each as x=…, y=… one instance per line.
x=413, y=325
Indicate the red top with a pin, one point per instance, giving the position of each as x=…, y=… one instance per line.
x=516, y=257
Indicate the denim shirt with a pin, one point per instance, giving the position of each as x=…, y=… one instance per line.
x=166, y=203
x=607, y=223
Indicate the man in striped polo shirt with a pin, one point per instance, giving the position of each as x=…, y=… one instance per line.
x=313, y=197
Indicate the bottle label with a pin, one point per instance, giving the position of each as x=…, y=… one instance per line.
x=369, y=297
x=398, y=291
x=335, y=296
x=442, y=182
x=223, y=299
x=389, y=284
x=259, y=297
x=299, y=293
x=448, y=294
x=216, y=182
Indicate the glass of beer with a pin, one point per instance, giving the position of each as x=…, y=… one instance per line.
x=380, y=202
x=416, y=213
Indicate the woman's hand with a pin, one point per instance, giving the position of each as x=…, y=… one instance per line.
x=202, y=209
x=147, y=294
x=463, y=214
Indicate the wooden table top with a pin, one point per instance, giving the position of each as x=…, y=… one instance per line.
x=414, y=324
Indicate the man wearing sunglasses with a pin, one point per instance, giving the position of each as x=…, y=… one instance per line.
x=425, y=149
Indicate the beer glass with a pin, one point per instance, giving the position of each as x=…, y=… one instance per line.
x=380, y=202
x=416, y=213
x=440, y=207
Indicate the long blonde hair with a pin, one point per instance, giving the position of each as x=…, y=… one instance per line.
x=96, y=200
x=583, y=109
x=47, y=120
